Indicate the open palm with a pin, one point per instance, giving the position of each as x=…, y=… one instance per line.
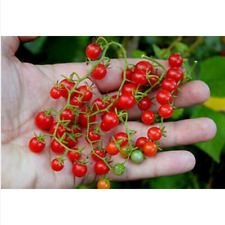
x=25, y=89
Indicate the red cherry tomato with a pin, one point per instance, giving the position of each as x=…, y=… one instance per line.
x=145, y=103
x=66, y=84
x=98, y=104
x=60, y=130
x=166, y=111
x=83, y=117
x=55, y=93
x=99, y=72
x=175, y=60
x=121, y=135
x=56, y=166
x=111, y=148
x=164, y=97
x=101, y=168
x=93, y=51
x=129, y=73
x=148, y=117
x=150, y=148
x=44, y=122
x=93, y=136
x=169, y=85
x=139, y=78
x=35, y=145
x=154, y=133
x=74, y=101
x=143, y=67
x=110, y=119
x=85, y=94
x=129, y=88
x=175, y=74
x=73, y=156
x=141, y=141
x=57, y=147
x=67, y=114
x=79, y=170
x=99, y=153
x=126, y=101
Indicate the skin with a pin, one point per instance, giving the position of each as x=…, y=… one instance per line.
x=25, y=89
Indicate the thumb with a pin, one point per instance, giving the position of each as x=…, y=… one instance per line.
x=11, y=44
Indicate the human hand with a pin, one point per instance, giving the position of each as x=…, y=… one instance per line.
x=24, y=88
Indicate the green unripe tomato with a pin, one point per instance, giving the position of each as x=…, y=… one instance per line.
x=119, y=169
x=137, y=156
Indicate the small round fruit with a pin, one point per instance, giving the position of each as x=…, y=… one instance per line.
x=126, y=101
x=141, y=141
x=124, y=151
x=66, y=84
x=99, y=72
x=166, y=111
x=57, y=147
x=101, y=168
x=55, y=93
x=119, y=169
x=67, y=114
x=110, y=119
x=137, y=156
x=154, y=133
x=150, y=148
x=56, y=166
x=121, y=135
x=60, y=130
x=129, y=88
x=111, y=148
x=103, y=184
x=169, y=85
x=99, y=153
x=79, y=170
x=175, y=74
x=43, y=121
x=164, y=97
x=143, y=67
x=148, y=117
x=35, y=145
x=145, y=103
x=83, y=117
x=129, y=73
x=93, y=51
x=139, y=78
x=175, y=60
x=73, y=156
x=86, y=93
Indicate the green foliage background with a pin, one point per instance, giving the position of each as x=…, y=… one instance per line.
x=209, y=171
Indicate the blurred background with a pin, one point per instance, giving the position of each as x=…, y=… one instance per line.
x=209, y=52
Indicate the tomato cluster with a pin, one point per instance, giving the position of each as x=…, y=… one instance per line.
x=79, y=116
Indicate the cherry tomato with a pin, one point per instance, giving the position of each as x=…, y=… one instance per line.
x=121, y=135
x=70, y=142
x=103, y=184
x=143, y=67
x=148, y=117
x=164, y=97
x=101, y=168
x=126, y=101
x=137, y=156
x=154, y=133
x=150, y=148
x=73, y=156
x=56, y=166
x=98, y=104
x=119, y=169
x=175, y=74
x=145, y=103
x=55, y=93
x=169, y=85
x=154, y=80
x=124, y=151
x=175, y=60
x=43, y=121
x=104, y=127
x=57, y=147
x=99, y=72
x=63, y=84
x=35, y=145
x=166, y=111
x=128, y=88
x=86, y=94
x=129, y=73
x=110, y=119
x=79, y=170
x=139, y=78
x=93, y=136
x=93, y=51
x=115, y=105
x=141, y=141
x=67, y=114
x=60, y=130
x=83, y=117
x=111, y=148
x=75, y=101
x=99, y=153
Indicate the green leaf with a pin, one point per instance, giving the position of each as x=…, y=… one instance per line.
x=181, y=48
x=35, y=46
x=177, y=113
x=138, y=54
x=213, y=73
x=214, y=147
x=157, y=51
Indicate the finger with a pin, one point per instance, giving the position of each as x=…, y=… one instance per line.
x=192, y=93
x=183, y=132
x=113, y=78
x=110, y=82
x=10, y=44
x=162, y=164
